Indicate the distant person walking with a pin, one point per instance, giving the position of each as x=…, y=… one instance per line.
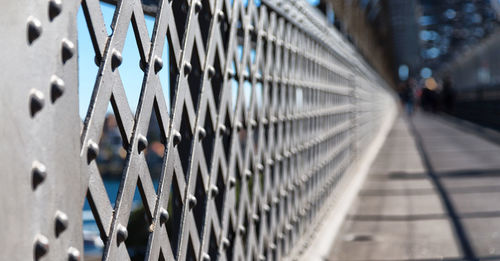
x=408, y=97
x=448, y=95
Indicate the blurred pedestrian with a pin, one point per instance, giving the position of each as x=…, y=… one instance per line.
x=448, y=95
x=407, y=95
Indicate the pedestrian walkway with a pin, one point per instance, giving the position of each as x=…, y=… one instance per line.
x=433, y=193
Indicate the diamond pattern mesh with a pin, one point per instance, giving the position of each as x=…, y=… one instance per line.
x=269, y=107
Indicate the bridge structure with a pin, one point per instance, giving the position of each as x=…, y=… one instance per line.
x=248, y=136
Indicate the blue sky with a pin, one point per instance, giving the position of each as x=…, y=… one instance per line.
x=131, y=74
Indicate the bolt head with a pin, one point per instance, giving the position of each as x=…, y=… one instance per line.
x=197, y=6
x=192, y=201
x=37, y=101
x=61, y=222
x=67, y=50
x=187, y=68
x=121, y=233
x=177, y=137
x=55, y=8
x=56, y=88
x=222, y=128
x=242, y=229
x=211, y=71
x=116, y=59
x=202, y=133
x=239, y=125
x=232, y=182
x=158, y=64
x=214, y=190
x=92, y=151
x=163, y=215
x=142, y=143
x=225, y=242
x=220, y=15
x=248, y=174
x=39, y=173
x=34, y=29
x=41, y=246
x=73, y=254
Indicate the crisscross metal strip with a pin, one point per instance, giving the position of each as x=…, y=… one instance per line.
x=269, y=107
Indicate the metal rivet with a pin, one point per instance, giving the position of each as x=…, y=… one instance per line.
x=116, y=59
x=177, y=137
x=34, y=29
x=270, y=162
x=253, y=123
x=142, y=64
x=202, y=133
x=37, y=100
x=276, y=200
x=272, y=246
x=225, y=242
x=232, y=182
x=163, y=215
x=263, y=34
x=231, y=73
x=266, y=208
x=41, y=246
x=239, y=125
x=255, y=217
x=220, y=15
x=222, y=128
x=68, y=50
x=260, y=167
x=97, y=60
x=206, y=257
x=214, y=190
x=121, y=233
x=197, y=6
x=61, y=221
x=73, y=254
x=55, y=8
x=280, y=236
x=39, y=173
x=142, y=143
x=242, y=229
x=92, y=151
x=192, y=201
x=56, y=88
x=248, y=174
x=262, y=258
x=158, y=64
x=211, y=71
x=187, y=68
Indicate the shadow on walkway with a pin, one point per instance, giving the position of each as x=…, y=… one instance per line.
x=433, y=193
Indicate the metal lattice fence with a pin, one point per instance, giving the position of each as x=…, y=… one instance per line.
x=268, y=108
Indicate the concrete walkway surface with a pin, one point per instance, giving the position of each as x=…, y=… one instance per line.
x=433, y=193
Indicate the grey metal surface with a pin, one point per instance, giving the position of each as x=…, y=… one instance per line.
x=249, y=194
x=40, y=196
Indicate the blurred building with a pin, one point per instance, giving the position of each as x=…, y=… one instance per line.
x=404, y=31
x=450, y=28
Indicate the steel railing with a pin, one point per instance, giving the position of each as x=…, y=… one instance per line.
x=268, y=107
